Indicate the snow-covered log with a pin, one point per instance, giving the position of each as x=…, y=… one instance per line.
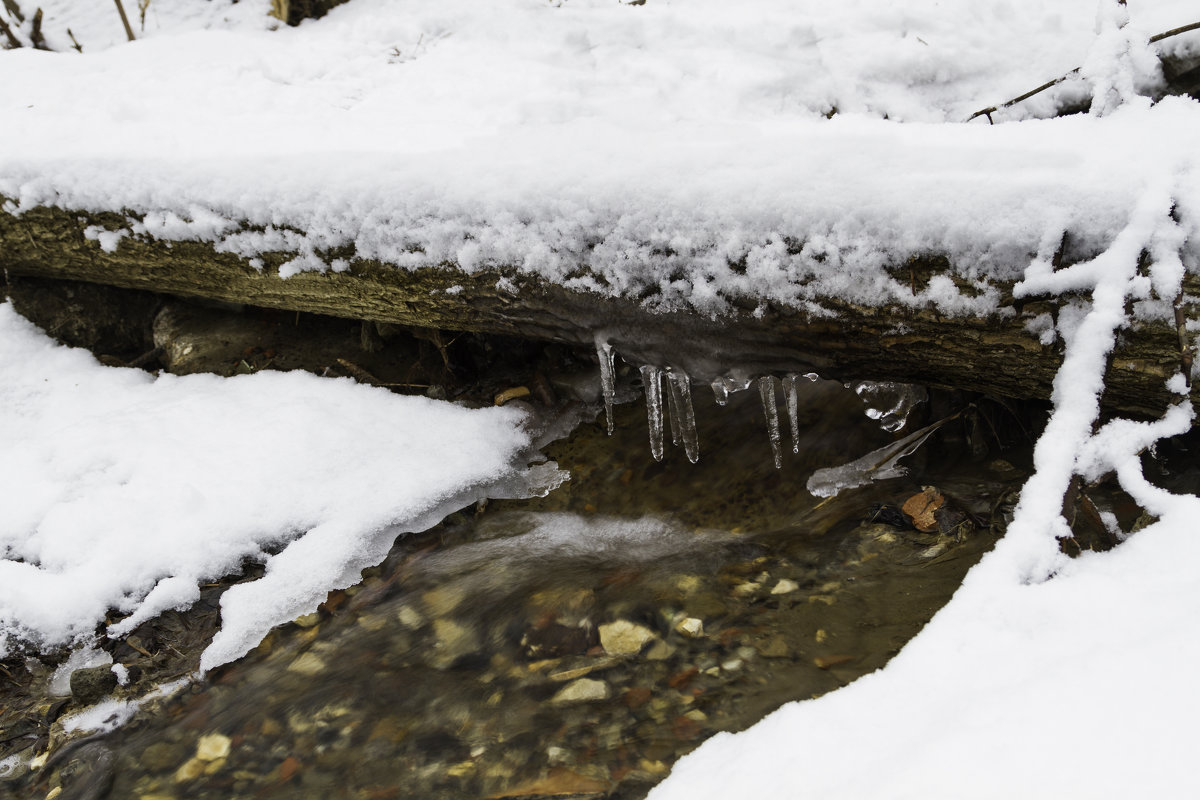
x=1002, y=353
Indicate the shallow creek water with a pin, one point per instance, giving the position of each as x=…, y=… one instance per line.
x=574, y=645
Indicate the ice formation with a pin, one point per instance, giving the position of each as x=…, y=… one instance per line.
x=890, y=403
x=766, y=390
x=652, y=381
x=684, y=416
x=608, y=379
x=876, y=465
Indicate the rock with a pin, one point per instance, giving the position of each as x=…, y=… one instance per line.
x=213, y=746
x=454, y=641
x=553, y=640
x=772, y=648
x=442, y=600
x=190, y=770
x=308, y=620
x=785, y=587
x=307, y=664
x=410, y=618
x=746, y=589
x=92, y=683
x=690, y=627
x=624, y=638
x=584, y=690
x=659, y=651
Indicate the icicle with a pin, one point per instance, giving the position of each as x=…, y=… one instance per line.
x=681, y=408
x=793, y=408
x=720, y=391
x=672, y=406
x=766, y=389
x=608, y=378
x=652, y=380
x=728, y=384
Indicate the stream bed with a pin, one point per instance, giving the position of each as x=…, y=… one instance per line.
x=574, y=645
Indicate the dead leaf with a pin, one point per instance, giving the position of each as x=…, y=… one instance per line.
x=920, y=509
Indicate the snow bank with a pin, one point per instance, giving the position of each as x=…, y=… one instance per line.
x=125, y=491
x=678, y=151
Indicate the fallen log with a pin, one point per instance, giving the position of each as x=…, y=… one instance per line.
x=994, y=354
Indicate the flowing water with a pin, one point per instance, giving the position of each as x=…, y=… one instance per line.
x=578, y=644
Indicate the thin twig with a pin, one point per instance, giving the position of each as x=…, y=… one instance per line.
x=14, y=10
x=1185, y=347
x=35, y=33
x=13, y=41
x=987, y=112
x=125, y=20
x=75, y=44
x=1158, y=37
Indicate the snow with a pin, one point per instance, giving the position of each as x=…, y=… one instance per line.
x=679, y=151
x=690, y=153
x=126, y=491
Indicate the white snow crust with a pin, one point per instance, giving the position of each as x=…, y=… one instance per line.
x=125, y=491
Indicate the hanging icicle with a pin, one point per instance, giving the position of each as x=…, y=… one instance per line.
x=766, y=390
x=792, y=396
x=672, y=406
x=683, y=417
x=652, y=380
x=608, y=378
x=728, y=384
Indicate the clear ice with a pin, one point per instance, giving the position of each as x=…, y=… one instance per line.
x=890, y=403
x=876, y=465
x=728, y=384
x=683, y=417
x=766, y=390
x=652, y=380
x=608, y=378
x=792, y=397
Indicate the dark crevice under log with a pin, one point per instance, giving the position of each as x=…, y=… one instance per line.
x=994, y=355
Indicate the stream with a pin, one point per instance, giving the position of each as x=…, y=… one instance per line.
x=574, y=645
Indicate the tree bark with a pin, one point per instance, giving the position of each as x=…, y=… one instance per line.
x=994, y=355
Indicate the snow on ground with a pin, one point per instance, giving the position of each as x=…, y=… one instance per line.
x=122, y=490
x=681, y=148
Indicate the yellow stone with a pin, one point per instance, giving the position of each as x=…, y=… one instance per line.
x=213, y=746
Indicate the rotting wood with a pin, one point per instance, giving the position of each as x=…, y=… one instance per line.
x=995, y=354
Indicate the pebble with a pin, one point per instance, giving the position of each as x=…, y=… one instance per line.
x=92, y=683
x=690, y=627
x=785, y=586
x=659, y=651
x=213, y=746
x=748, y=588
x=453, y=642
x=624, y=638
x=410, y=618
x=308, y=620
x=307, y=664
x=584, y=690
x=443, y=599
x=775, y=647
